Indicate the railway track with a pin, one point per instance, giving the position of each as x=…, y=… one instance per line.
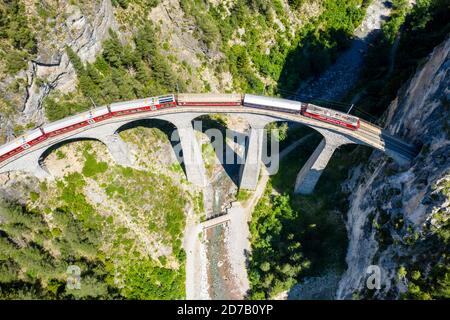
x=394, y=144
x=388, y=141
x=367, y=133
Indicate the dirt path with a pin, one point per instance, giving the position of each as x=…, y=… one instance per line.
x=336, y=81
x=196, y=281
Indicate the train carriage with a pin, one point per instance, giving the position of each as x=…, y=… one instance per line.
x=22, y=143
x=331, y=116
x=167, y=101
x=271, y=103
x=128, y=107
x=199, y=99
x=142, y=105
x=78, y=121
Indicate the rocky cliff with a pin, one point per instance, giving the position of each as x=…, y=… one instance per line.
x=82, y=28
x=398, y=216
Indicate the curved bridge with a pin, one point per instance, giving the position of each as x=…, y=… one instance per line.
x=181, y=117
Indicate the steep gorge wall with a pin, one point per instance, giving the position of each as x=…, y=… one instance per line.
x=83, y=29
x=397, y=213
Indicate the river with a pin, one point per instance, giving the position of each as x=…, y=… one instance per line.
x=223, y=191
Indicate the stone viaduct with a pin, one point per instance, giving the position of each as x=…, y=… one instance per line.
x=182, y=117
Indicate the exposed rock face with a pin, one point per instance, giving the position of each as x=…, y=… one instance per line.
x=178, y=30
x=85, y=33
x=389, y=205
x=59, y=75
x=83, y=29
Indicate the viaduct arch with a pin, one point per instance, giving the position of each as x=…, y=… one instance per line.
x=333, y=137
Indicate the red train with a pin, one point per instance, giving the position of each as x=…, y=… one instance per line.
x=170, y=101
x=331, y=116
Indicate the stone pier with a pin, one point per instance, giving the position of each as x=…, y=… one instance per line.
x=192, y=154
x=118, y=149
x=309, y=175
x=252, y=166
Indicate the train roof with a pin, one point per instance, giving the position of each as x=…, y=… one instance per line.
x=335, y=113
x=125, y=105
x=272, y=102
x=208, y=97
x=76, y=119
x=27, y=137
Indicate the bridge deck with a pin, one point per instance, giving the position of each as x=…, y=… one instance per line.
x=367, y=134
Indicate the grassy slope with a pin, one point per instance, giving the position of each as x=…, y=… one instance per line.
x=114, y=239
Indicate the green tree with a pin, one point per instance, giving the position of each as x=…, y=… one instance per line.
x=113, y=50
